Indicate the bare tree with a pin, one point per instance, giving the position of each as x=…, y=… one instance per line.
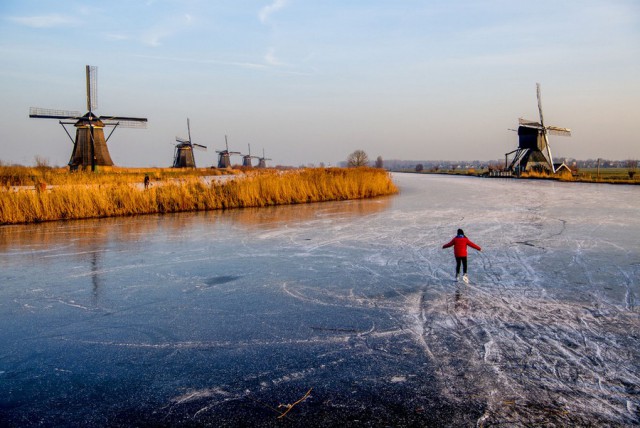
x=419, y=167
x=357, y=158
x=379, y=162
x=632, y=166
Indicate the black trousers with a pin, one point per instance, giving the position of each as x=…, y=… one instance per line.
x=462, y=260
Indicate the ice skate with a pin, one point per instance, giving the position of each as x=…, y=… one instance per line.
x=465, y=278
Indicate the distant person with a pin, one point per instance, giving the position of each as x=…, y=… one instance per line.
x=146, y=181
x=459, y=244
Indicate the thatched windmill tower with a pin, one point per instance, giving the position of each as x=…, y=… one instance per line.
x=246, y=159
x=534, y=151
x=262, y=162
x=183, y=156
x=224, y=156
x=90, y=144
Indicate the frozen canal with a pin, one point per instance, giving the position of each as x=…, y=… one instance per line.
x=218, y=318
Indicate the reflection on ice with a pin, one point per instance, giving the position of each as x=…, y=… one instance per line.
x=219, y=317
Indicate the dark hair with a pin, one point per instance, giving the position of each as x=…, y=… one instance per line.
x=460, y=232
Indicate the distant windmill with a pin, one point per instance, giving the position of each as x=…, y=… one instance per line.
x=262, y=161
x=90, y=145
x=224, y=156
x=246, y=159
x=183, y=156
x=534, y=151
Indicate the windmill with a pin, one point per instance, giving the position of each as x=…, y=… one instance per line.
x=262, y=161
x=246, y=159
x=534, y=151
x=224, y=156
x=183, y=156
x=90, y=145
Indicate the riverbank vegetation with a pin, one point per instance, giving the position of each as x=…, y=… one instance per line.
x=116, y=193
x=39, y=175
x=590, y=175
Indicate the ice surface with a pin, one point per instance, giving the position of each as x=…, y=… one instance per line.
x=219, y=317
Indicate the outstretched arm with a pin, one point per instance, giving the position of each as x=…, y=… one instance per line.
x=472, y=245
x=448, y=245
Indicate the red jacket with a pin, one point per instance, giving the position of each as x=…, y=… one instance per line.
x=459, y=244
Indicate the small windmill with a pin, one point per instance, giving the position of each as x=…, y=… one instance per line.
x=183, y=156
x=224, y=156
x=534, y=151
x=246, y=159
x=262, y=162
x=90, y=145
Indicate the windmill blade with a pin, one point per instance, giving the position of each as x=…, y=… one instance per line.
x=189, y=129
x=182, y=140
x=550, y=158
x=92, y=88
x=556, y=130
x=539, y=104
x=47, y=113
x=124, y=122
x=529, y=123
x=200, y=146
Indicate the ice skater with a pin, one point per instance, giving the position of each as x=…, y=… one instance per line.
x=459, y=244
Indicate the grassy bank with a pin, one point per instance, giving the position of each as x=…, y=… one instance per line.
x=605, y=175
x=44, y=175
x=116, y=196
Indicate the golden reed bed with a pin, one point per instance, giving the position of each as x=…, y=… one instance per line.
x=108, y=197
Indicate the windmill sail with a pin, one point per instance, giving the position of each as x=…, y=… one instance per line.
x=48, y=113
x=92, y=88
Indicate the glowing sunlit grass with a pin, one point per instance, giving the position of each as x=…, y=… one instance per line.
x=117, y=196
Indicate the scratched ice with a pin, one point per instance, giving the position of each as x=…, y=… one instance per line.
x=218, y=318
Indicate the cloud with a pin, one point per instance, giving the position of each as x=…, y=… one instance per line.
x=204, y=61
x=266, y=11
x=44, y=21
x=154, y=35
x=116, y=36
x=270, y=58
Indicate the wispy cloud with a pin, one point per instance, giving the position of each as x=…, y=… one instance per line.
x=204, y=61
x=156, y=34
x=116, y=36
x=270, y=58
x=266, y=11
x=44, y=21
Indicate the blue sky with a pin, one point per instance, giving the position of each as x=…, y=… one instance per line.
x=312, y=81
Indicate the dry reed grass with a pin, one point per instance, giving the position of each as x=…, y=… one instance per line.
x=36, y=175
x=608, y=176
x=117, y=198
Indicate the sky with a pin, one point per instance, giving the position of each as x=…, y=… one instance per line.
x=310, y=81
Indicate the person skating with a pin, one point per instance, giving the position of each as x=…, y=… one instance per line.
x=459, y=244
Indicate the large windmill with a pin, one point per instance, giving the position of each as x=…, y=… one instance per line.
x=262, y=162
x=224, y=156
x=246, y=159
x=534, y=151
x=183, y=156
x=90, y=145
